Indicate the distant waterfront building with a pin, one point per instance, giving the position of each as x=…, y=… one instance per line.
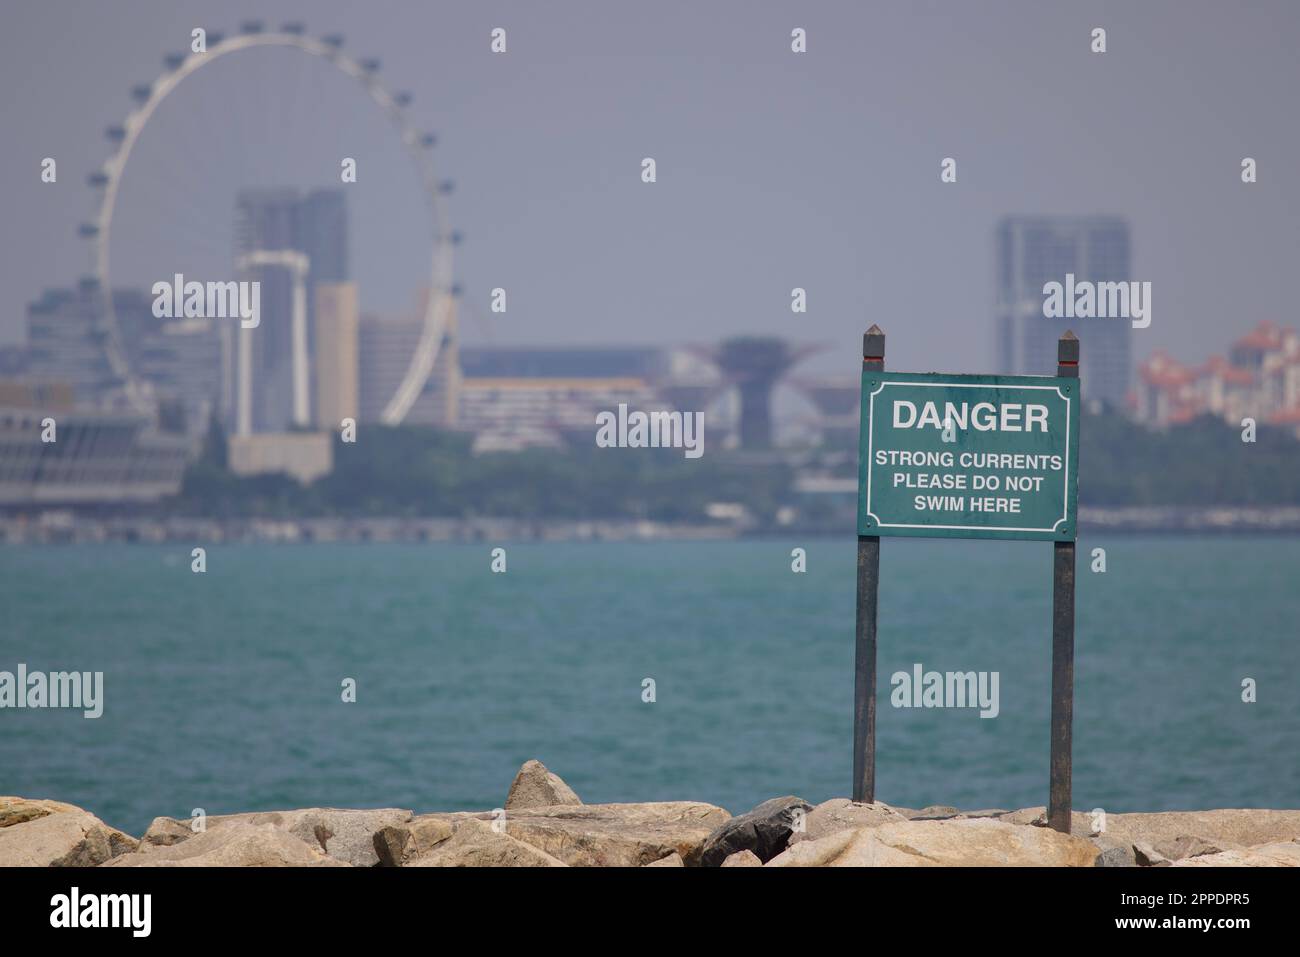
x=266, y=220
x=562, y=362
x=385, y=350
x=323, y=234
x=180, y=358
x=284, y=220
x=338, y=346
x=1035, y=250
x=1259, y=379
x=517, y=397
x=99, y=457
x=304, y=456
x=65, y=342
x=13, y=361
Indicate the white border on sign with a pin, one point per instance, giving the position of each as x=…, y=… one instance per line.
x=871, y=439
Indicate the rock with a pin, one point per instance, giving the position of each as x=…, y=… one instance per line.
x=1116, y=856
x=853, y=848
x=62, y=836
x=620, y=835
x=397, y=843
x=841, y=814
x=765, y=830
x=477, y=844
x=1147, y=856
x=1229, y=829
x=535, y=786
x=672, y=860
x=347, y=835
x=1187, y=845
x=166, y=831
x=742, y=859
x=233, y=844
x=954, y=843
x=17, y=810
x=1036, y=817
x=936, y=812
x=1281, y=854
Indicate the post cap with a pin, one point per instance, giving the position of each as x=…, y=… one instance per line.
x=873, y=343
x=1067, y=348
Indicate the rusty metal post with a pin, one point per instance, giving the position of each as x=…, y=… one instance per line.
x=1058, y=804
x=864, y=669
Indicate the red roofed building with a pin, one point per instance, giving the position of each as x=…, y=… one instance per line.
x=1260, y=379
x=1165, y=390
x=1226, y=390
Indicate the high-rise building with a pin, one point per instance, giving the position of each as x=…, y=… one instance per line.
x=322, y=233
x=282, y=220
x=65, y=342
x=266, y=220
x=337, y=354
x=179, y=358
x=182, y=359
x=1035, y=250
x=386, y=348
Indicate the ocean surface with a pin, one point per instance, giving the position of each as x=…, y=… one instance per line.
x=222, y=691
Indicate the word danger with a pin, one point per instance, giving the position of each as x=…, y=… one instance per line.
x=982, y=416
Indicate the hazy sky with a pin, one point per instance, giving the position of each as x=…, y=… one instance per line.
x=775, y=170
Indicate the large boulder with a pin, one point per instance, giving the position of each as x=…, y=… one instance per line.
x=743, y=859
x=841, y=814
x=396, y=844
x=18, y=810
x=1282, y=854
x=535, y=786
x=672, y=860
x=1116, y=856
x=1147, y=856
x=50, y=834
x=952, y=843
x=233, y=844
x=1176, y=835
x=477, y=843
x=347, y=835
x=765, y=830
x=621, y=835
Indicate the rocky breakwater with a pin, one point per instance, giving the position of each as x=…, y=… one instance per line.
x=543, y=823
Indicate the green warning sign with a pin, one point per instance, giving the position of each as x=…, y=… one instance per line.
x=968, y=456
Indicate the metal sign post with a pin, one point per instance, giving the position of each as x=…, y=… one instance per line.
x=1062, y=760
x=864, y=668
x=968, y=456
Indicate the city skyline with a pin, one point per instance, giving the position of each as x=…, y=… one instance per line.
x=549, y=210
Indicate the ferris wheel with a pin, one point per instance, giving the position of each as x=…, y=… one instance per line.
x=419, y=146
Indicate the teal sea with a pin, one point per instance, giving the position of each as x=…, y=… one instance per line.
x=223, y=690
